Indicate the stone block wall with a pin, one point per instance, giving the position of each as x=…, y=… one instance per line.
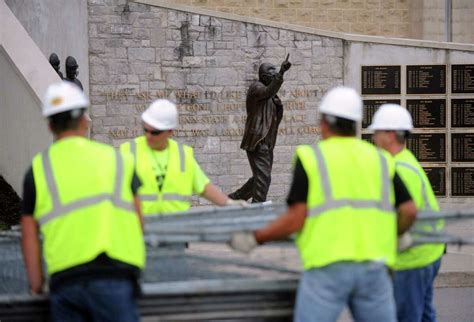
x=139, y=53
x=370, y=17
x=417, y=19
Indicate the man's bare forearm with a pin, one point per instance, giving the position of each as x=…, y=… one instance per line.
x=406, y=216
x=215, y=195
x=32, y=253
x=138, y=210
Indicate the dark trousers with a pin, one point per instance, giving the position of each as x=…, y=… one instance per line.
x=261, y=160
x=101, y=300
x=413, y=290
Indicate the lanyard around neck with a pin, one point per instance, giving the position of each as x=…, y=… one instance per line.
x=160, y=178
x=158, y=165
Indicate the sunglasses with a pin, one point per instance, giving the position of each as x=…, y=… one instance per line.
x=152, y=132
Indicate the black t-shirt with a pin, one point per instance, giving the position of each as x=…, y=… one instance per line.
x=299, y=187
x=102, y=266
x=29, y=191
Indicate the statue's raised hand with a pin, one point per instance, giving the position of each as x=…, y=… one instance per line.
x=285, y=65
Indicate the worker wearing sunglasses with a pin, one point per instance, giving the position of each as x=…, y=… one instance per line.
x=169, y=172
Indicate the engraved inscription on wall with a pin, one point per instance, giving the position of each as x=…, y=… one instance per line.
x=210, y=113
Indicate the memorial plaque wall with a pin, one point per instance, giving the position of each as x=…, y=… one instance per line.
x=437, y=177
x=380, y=80
x=428, y=113
x=462, y=112
x=462, y=118
x=462, y=147
x=370, y=107
x=437, y=109
x=426, y=79
x=462, y=181
x=462, y=79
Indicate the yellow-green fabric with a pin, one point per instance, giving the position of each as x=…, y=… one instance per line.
x=84, y=204
x=350, y=203
x=160, y=161
x=183, y=176
x=419, y=187
x=160, y=164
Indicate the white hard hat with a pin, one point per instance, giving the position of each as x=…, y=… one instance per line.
x=391, y=117
x=63, y=96
x=161, y=115
x=343, y=102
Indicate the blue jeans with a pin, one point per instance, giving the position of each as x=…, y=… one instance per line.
x=414, y=293
x=365, y=287
x=95, y=300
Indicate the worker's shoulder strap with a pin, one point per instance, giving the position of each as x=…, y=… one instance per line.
x=182, y=155
x=417, y=171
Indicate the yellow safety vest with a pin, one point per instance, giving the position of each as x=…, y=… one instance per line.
x=177, y=190
x=350, y=203
x=84, y=204
x=419, y=187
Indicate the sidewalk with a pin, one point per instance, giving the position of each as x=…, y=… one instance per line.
x=457, y=269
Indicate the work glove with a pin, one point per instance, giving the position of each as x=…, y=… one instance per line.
x=239, y=202
x=243, y=242
x=404, y=242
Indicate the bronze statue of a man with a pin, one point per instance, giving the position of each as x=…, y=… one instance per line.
x=264, y=114
x=72, y=72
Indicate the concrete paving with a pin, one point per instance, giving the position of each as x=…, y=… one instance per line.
x=454, y=292
x=452, y=305
x=457, y=269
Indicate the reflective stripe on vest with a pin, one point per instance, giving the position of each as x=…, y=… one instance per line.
x=331, y=204
x=59, y=210
x=424, y=194
x=166, y=197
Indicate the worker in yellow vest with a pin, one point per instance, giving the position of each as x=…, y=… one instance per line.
x=342, y=206
x=417, y=267
x=167, y=168
x=81, y=196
